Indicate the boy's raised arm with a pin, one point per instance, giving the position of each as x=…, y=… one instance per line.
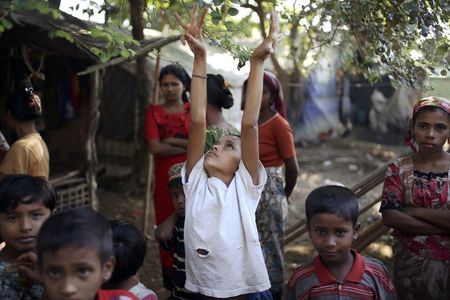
x=193, y=36
x=249, y=125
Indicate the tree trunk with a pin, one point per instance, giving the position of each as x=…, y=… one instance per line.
x=142, y=91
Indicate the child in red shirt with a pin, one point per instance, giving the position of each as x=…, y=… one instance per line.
x=75, y=256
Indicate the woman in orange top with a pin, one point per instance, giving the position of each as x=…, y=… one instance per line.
x=276, y=149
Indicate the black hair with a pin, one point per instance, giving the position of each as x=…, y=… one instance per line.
x=129, y=249
x=429, y=109
x=218, y=94
x=25, y=189
x=332, y=199
x=176, y=182
x=23, y=104
x=76, y=227
x=180, y=73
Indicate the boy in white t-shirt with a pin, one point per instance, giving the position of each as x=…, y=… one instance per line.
x=222, y=187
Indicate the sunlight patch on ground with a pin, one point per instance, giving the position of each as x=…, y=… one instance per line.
x=381, y=248
x=300, y=249
x=311, y=179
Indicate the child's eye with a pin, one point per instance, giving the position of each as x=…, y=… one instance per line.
x=320, y=232
x=37, y=215
x=340, y=233
x=54, y=273
x=11, y=217
x=83, y=272
x=229, y=145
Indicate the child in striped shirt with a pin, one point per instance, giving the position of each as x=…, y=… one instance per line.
x=338, y=272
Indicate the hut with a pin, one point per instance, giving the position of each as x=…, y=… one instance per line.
x=35, y=47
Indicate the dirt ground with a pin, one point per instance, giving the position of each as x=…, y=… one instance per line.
x=346, y=161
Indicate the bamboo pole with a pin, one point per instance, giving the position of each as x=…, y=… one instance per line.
x=150, y=166
x=139, y=53
x=369, y=235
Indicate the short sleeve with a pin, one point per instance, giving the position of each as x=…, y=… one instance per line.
x=284, y=139
x=151, y=127
x=381, y=281
x=393, y=191
x=197, y=177
x=15, y=161
x=245, y=177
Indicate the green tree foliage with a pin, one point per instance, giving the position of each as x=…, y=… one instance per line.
x=374, y=37
x=391, y=37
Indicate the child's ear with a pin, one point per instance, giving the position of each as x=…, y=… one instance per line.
x=355, y=230
x=108, y=268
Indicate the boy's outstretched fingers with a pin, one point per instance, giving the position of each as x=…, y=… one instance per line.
x=192, y=30
x=267, y=46
x=274, y=27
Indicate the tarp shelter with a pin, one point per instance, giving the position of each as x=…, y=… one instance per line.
x=71, y=102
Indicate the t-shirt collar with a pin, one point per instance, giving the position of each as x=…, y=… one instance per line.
x=355, y=274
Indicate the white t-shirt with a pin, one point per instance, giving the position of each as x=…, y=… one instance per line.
x=221, y=220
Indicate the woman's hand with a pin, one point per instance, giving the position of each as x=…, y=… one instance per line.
x=266, y=48
x=193, y=34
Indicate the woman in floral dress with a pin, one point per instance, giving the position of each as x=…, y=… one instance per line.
x=416, y=203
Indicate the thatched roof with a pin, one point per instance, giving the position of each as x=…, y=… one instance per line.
x=33, y=28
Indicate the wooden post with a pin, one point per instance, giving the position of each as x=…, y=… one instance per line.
x=147, y=225
x=91, y=149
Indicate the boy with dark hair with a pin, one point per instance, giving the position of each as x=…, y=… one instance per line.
x=25, y=203
x=130, y=248
x=76, y=255
x=171, y=235
x=338, y=270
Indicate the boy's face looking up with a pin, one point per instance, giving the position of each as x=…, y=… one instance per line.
x=178, y=199
x=224, y=156
x=19, y=227
x=332, y=237
x=74, y=272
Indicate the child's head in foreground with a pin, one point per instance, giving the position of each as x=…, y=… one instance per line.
x=224, y=156
x=25, y=203
x=331, y=216
x=75, y=254
x=130, y=248
x=176, y=189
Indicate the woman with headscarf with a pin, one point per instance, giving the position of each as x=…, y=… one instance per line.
x=276, y=150
x=416, y=204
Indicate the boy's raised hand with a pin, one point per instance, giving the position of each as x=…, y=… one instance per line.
x=193, y=34
x=267, y=46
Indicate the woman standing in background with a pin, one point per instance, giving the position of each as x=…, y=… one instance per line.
x=276, y=149
x=166, y=132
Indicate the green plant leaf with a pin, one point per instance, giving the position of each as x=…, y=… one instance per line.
x=6, y=23
x=233, y=11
